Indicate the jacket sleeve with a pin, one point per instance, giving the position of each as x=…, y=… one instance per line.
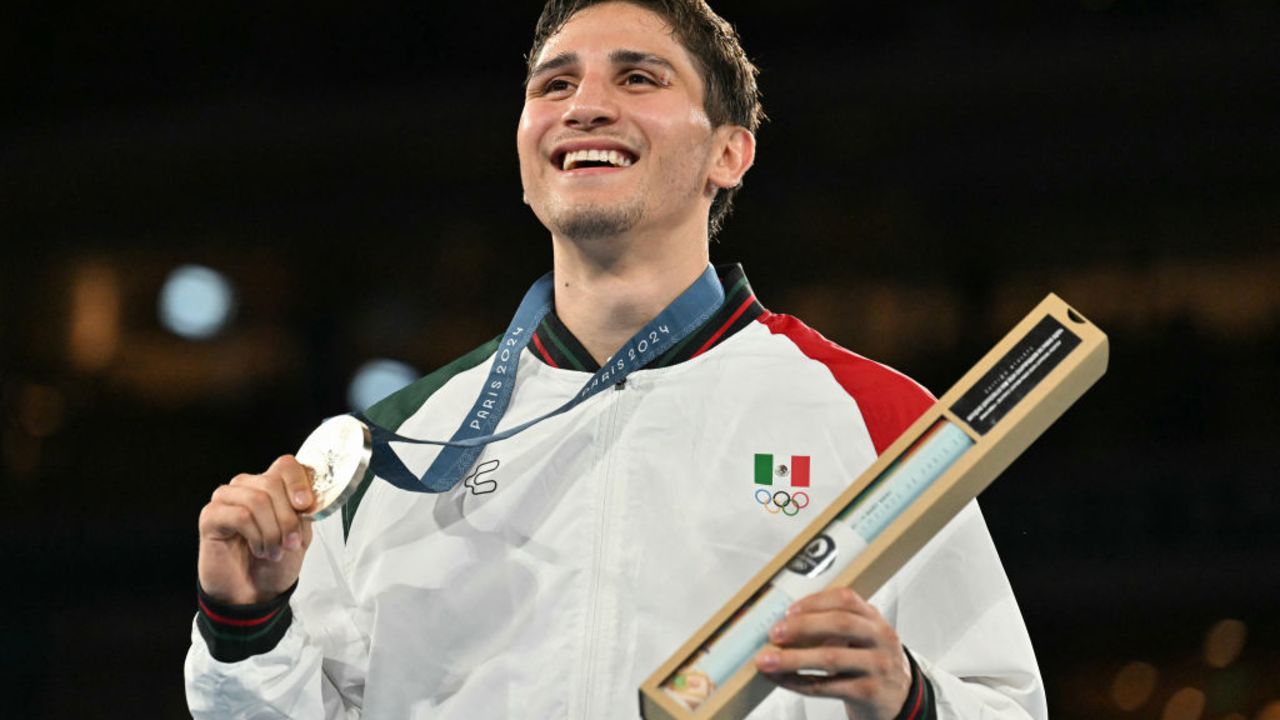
x=313, y=667
x=954, y=609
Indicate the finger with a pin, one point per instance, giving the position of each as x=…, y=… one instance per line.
x=846, y=688
x=264, y=510
x=833, y=599
x=283, y=473
x=826, y=660
x=815, y=628
x=223, y=521
x=306, y=533
x=298, y=497
x=297, y=481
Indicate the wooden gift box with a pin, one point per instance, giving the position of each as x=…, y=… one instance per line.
x=1003, y=404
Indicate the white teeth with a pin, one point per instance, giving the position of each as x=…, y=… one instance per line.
x=613, y=157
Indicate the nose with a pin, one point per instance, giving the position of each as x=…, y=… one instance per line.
x=592, y=105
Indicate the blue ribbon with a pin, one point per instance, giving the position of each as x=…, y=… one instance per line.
x=684, y=315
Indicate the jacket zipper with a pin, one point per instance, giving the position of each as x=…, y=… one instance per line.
x=599, y=558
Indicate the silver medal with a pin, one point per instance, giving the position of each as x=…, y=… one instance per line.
x=337, y=453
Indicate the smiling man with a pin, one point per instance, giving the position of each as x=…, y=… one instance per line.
x=560, y=566
x=621, y=161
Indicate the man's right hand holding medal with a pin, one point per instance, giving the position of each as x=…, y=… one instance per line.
x=253, y=534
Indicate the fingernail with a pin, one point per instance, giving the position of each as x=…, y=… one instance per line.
x=768, y=661
x=292, y=541
x=276, y=554
x=777, y=631
x=300, y=498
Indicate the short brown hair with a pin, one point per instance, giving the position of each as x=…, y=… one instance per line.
x=732, y=97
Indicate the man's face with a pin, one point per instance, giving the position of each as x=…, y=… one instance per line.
x=614, y=135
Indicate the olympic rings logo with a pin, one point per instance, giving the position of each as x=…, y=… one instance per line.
x=781, y=501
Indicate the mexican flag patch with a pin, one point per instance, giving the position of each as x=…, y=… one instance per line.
x=790, y=470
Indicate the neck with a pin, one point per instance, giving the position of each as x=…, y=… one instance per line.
x=607, y=290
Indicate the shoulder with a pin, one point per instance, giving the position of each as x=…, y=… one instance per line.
x=393, y=410
x=888, y=400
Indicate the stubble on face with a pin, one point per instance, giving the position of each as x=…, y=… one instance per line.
x=594, y=222
x=597, y=222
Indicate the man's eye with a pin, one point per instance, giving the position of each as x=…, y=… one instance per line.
x=557, y=85
x=639, y=79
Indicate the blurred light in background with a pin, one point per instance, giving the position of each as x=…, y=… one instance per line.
x=377, y=379
x=196, y=302
x=1233, y=299
x=1223, y=643
x=94, y=335
x=1133, y=685
x=41, y=409
x=1270, y=712
x=1186, y=704
x=21, y=454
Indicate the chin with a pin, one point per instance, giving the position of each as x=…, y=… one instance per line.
x=595, y=222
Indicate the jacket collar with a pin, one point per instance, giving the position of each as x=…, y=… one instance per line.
x=554, y=345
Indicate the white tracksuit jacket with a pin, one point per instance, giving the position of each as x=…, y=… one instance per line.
x=581, y=553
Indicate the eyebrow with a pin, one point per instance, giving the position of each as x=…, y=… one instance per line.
x=559, y=61
x=617, y=57
x=635, y=57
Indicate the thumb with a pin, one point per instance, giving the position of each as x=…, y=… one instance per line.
x=297, y=481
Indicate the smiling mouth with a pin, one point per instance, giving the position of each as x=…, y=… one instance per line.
x=581, y=159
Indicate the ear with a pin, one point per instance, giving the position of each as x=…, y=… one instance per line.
x=735, y=152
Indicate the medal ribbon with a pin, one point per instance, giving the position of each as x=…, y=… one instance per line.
x=684, y=315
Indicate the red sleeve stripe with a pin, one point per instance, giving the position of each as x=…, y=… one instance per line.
x=716, y=336
x=233, y=622
x=546, y=356
x=915, y=707
x=888, y=400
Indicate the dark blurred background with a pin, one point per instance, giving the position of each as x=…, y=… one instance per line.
x=931, y=170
